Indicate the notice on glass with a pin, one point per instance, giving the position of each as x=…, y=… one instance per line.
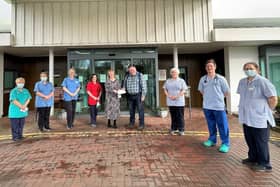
x=81, y=78
x=145, y=77
x=103, y=78
x=162, y=74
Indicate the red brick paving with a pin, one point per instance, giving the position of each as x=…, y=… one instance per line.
x=128, y=158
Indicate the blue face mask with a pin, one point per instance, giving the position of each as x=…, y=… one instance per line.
x=20, y=85
x=250, y=73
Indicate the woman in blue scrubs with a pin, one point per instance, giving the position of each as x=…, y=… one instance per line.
x=258, y=98
x=71, y=88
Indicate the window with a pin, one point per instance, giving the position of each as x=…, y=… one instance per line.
x=274, y=69
x=9, y=79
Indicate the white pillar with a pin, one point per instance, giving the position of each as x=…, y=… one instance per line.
x=51, y=72
x=235, y=58
x=175, y=57
x=1, y=83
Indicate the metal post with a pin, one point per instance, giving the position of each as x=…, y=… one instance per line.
x=51, y=72
x=1, y=83
x=175, y=57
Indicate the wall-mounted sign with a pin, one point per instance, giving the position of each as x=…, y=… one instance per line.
x=162, y=74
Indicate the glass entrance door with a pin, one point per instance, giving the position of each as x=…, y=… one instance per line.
x=101, y=68
x=99, y=61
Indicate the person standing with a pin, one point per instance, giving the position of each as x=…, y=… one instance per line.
x=112, y=107
x=174, y=89
x=94, y=91
x=44, y=91
x=214, y=89
x=258, y=98
x=18, y=111
x=71, y=88
x=136, y=89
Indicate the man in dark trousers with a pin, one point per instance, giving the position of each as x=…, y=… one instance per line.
x=136, y=89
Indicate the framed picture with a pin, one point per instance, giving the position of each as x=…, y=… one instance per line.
x=162, y=74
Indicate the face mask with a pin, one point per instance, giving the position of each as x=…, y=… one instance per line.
x=20, y=85
x=44, y=78
x=250, y=73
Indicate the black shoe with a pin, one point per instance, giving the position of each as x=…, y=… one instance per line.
x=248, y=162
x=109, y=126
x=140, y=128
x=48, y=129
x=115, y=126
x=262, y=168
x=41, y=130
x=130, y=126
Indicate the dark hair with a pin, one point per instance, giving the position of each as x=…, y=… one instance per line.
x=92, y=75
x=212, y=61
x=131, y=65
x=251, y=63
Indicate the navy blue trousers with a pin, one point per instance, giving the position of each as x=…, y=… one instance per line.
x=93, y=114
x=17, y=125
x=134, y=101
x=257, y=141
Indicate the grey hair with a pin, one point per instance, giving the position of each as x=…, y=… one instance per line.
x=175, y=69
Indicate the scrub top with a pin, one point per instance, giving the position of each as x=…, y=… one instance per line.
x=213, y=92
x=21, y=96
x=45, y=89
x=254, y=110
x=72, y=85
x=174, y=87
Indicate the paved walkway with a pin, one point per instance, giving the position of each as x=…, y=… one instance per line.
x=87, y=156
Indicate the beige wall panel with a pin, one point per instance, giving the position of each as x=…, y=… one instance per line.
x=38, y=24
x=75, y=22
x=160, y=24
x=29, y=23
x=131, y=21
x=169, y=21
x=19, y=24
x=48, y=23
x=198, y=20
x=66, y=23
x=84, y=19
x=112, y=21
x=57, y=23
x=150, y=21
x=122, y=21
x=93, y=22
x=141, y=21
x=103, y=21
x=179, y=21
x=188, y=18
x=205, y=20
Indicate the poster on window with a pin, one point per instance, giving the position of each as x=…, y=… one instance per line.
x=162, y=74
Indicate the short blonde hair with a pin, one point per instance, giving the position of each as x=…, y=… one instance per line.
x=175, y=69
x=20, y=79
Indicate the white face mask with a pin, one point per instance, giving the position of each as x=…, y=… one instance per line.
x=250, y=73
x=44, y=78
x=20, y=85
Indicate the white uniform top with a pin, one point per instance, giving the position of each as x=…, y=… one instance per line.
x=254, y=109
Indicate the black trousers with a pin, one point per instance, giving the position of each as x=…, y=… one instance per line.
x=177, y=118
x=44, y=117
x=257, y=141
x=70, y=107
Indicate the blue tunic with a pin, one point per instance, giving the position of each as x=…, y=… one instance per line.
x=174, y=87
x=45, y=89
x=213, y=92
x=254, y=110
x=72, y=85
